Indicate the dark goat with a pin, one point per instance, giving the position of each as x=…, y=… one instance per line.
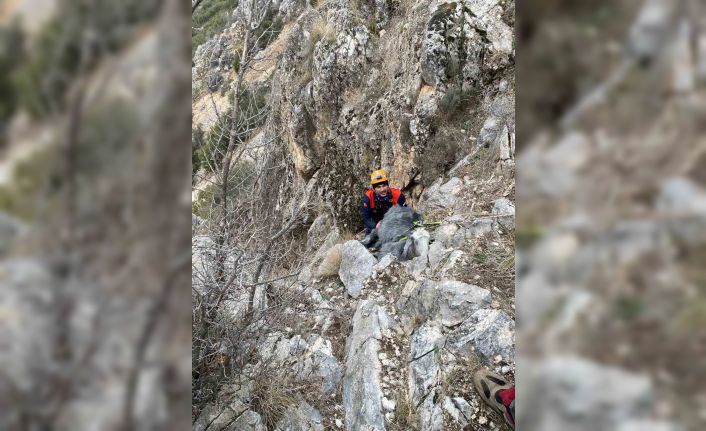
x=394, y=236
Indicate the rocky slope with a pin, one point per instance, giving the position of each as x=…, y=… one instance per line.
x=426, y=91
x=610, y=269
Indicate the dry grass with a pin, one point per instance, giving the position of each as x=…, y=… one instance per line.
x=405, y=413
x=331, y=262
x=271, y=397
x=322, y=30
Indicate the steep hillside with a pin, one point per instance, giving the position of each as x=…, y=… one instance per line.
x=296, y=324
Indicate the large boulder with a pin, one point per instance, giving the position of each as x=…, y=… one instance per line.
x=441, y=195
x=362, y=389
x=26, y=297
x=488, y=333
x=465, y=40
x=227, y=418
x=311, y=359
x=449, y=301
x=356, y=266
x=302, y=417
x=576, y=394
x=681, y=195
x=425, y=375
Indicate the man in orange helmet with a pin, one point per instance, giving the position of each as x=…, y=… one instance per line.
x=378, y=199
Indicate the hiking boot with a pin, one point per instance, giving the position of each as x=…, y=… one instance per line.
x=497, y=392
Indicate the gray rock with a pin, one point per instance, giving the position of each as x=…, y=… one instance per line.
x=437, y=252
x=310, y=359
x=10, y=228
x=507, y=209
x=487, y=42
x=356, y=266
x=248, y=421
x=553, y=171
x=450, y=261
x=214, y=81
x=319, y=230
x=457, y=300
x=576, y=394
x=681, y=195
x=302, y=417
x=449, y=301
x=649, y=425
x=291, y=8
x=466, y=161
x=384, y=263
x=419, y=244
x=425, y=374
x=362, y=390
x=535, y=296
x=458, y=409
x=479, y=227
x=650, y=30
x=196, y=221
x=440, y=195
x=463, y=406
x=488, y=333
x=445, y=233
x=417, y=265
x=503, y=206
x=319, y=362
x=491, y=130
x=27, y=327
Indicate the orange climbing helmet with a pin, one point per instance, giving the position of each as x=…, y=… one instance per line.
x=378, y=176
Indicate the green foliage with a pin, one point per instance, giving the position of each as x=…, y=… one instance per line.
x=209, y=153
x=51, y=63
x=238, y=54
x=269, y=29
x=630, y=307
x=35, y=182
x=480, y=257
x=11, y=42
x=240, y=181
x=210, y=19
x=197, y=141
x=50, y=67
x=108, y=131
x=526, y=236
x=104, y=140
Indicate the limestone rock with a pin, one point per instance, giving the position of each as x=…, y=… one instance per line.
x=302, y=417
x=449, y=301
x=581, y=395
x=424, y=374
x=440, y=195
x=507, y=209
x=319, y=230
x=444, y=233
x=681, y=195
x=450, y=261
x=356, y=266
x=362, y=390
x=437, y=252
x=488, y=333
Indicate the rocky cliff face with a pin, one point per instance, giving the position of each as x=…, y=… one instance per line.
x=400, y=85
x=426, y=91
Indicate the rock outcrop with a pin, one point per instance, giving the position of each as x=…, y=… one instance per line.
x=387, y=340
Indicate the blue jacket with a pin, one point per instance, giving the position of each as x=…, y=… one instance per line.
x=374, y=207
